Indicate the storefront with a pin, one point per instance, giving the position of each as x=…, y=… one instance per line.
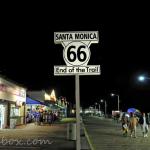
x=50, y=100
x=12, y=103
x=33, y=108
x=43, y=97
x=2, y=113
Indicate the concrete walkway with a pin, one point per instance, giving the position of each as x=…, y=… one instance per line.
x=36, y=137
x=105, y=134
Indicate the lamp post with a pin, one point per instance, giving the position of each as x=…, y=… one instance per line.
x=105, y=105
x=112, y=94
x=99, y=107
x=95, y=107
x=105, y=108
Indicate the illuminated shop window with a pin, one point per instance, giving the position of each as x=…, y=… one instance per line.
x=14, y=111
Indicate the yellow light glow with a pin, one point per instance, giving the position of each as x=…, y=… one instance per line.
x=53, y=96
x=73, y=111
x=47, y=97
x=18, y=103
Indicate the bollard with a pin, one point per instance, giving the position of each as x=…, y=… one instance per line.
x=71, y=131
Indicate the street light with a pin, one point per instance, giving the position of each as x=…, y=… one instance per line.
x=101, y=101
x=105, y=105
x=99, y=106
x=142, y=78
x=112, y=94
x=95, y=107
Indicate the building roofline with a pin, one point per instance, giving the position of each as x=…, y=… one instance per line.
x=12, y=81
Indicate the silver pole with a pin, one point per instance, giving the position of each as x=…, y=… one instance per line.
x=99, y=108
x=105, y=108
x=118, y=102
x=77, y=89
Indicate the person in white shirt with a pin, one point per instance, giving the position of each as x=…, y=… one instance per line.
x=144, y=121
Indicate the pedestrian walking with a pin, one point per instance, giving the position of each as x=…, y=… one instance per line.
x=50, y=118
x=125, y=122
x=132, y=125
x=37, y=118
x=144, y=122
x=117, y=117
x=41, y=118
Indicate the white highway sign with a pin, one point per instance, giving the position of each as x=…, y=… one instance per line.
x=76, y=55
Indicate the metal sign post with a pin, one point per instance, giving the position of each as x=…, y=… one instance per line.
x=76, y=55
x=77, y=88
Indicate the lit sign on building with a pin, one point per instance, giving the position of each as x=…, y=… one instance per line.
x=18, y=103
x=18, y=92
x=47, y=97
x=53, y=96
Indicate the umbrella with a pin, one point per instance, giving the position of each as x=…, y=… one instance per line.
x=133, y=110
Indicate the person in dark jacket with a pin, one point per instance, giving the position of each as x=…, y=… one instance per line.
x=144, y=122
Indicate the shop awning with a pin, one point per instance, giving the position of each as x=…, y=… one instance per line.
x=31, y=101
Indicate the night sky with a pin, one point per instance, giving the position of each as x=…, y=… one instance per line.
x=28, y=53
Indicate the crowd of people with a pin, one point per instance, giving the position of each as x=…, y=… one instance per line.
x=44, y=117
x=130, y=123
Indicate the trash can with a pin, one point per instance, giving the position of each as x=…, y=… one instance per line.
x=71, y=131
x=13, y=123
